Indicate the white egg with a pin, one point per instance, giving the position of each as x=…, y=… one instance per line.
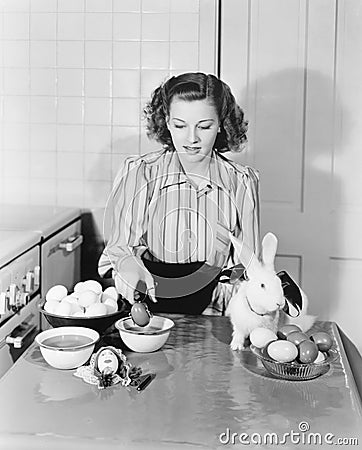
x=319, y=358
x=111, y=305
x=79, y=287
x=56, y=293
x=79, y=314
x=260, y=337
x=70, y=299
x=50, y=306
x=87, y=298
x=75, y=308
x=96, y=309
x=110, y=292
x=92, y=285
x=63, y=309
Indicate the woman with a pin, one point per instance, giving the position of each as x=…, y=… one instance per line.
x=173, y=209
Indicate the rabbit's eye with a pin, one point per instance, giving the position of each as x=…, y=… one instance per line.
x=262, y=285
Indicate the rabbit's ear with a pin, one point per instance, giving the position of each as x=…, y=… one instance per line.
x=269, y=249
x=245, y=254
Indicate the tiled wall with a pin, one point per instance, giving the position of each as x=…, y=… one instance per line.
x=74, y=76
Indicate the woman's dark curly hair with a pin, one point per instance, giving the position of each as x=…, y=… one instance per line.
x=197, y=86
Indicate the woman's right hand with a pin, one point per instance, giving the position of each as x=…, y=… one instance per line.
x=130, y=272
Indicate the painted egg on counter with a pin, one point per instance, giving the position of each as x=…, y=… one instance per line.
x=92, y=285
x=323, y=341
x=287, y=329
x=56, y=293
x=87, y=298
x=307, y=352
x=297, y=337
x=140, y=314
x=282, y=351
x=260, y=337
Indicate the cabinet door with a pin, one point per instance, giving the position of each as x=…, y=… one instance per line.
x=295, y=67
x=61, y=264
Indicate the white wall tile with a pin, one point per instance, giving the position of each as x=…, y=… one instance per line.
x=70, y=54
x=43, y=137
x=70, y=138
x=184, y=56
x=43, y=5
x=98, y=26
x=126, y=26
x=155, y=55
x=126, y=55
x=16, y=109
x=43, y=81
x=98, y=55
x=125, y=140
x=16, y=163
x=70, y=82
x=42, y=109
x=16, y=137
x=69, y=192
x=98, y=5
x=70, y=26
x=155, y=27
x=126, y=83
x=97, y=111
x=17, y=190
x=16, y=81
x=96, y=193
x=126, y=112
x=43, y=26
x=97, y=83
x=155, y=5
x=70, y=110
x=43, y=191
x=150, y=79
x=42, y=164
x=15, y=53
x=71, y=5
x=69, y=165
x=126, y=5
x=97, y=139
x=184, y=27
x=16, y=26
x=185, y=6
x=15, y=5
x=97, y=166
x=43, y=53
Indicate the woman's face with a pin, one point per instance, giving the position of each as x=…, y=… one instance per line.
x=193, y=126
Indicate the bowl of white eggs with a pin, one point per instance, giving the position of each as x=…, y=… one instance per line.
x=87, y=305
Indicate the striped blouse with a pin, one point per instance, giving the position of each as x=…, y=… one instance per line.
x=154, y=206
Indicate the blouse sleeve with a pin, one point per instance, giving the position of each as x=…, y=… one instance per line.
x=125, y=216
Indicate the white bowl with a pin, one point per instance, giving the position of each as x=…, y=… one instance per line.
x=67, y=347
x=145, y=339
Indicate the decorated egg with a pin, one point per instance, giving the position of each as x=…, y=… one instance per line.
x=87, y=298
x=56, y=293
x=92, y=285
x=320, y=358
x=297, y=337
x=96, y=309
x=307, y=352
x=260, y=337
x=323, y=341
x=286, y=329
x=140, y=314
x=282, y=351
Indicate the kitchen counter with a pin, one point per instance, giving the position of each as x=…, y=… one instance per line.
x=202, y=391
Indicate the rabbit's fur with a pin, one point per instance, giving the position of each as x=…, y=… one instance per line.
x=259, y=300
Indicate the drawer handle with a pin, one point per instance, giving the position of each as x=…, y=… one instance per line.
x=19, y=334
x=71, y=244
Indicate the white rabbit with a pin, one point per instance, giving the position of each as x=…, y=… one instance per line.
x=259, y=300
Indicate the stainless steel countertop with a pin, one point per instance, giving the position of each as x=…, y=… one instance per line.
x=201, y=390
